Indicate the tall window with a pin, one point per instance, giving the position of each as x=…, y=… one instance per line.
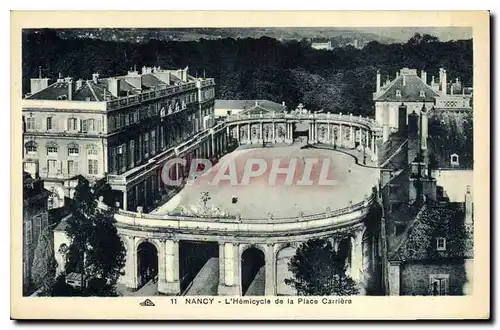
x=28, y=235
x=52, y=166
x=72, y=167
x=131, y=116
x=131, y=153
x=146, y=144
x=30, y=123
x=72, y=124
x=93, y=166
x=441, y=244
x=49, y=123
x=153, y=142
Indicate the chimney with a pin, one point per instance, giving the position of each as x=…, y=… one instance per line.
x=404, y=80
x=402, y=114
x=60, y=78
x=283, y=104
x=79, y=84
x=443, y=81
x=469, y=220
x=114, y=86
x=95, y=78
x=423, y=128
x=38, y=84
x=412, y=125
x=378, y=81
x=70, y=89
x=424, y=77
x=385, y=133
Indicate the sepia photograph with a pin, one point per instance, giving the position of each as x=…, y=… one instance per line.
x=255, y=165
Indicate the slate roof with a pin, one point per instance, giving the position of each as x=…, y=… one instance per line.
x=253, y=106
x=410, y=91
x=419, y=242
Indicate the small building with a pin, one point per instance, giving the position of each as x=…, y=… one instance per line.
x=224, y=108
x=75, y=280
x=435, y=254
x=413, y=90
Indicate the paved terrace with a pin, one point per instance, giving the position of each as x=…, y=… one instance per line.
x=352, y=184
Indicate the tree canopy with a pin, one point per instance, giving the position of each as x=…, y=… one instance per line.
x=319, y=271
x=95, y=249
x=342, y=79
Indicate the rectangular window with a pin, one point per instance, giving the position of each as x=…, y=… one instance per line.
x=93, y=166
x=45, y=219
x=29, y=232
x=153, y=142
x=72, y=124
x=30, y=123
x=37, y=219
x=438, y=284
x=52, y=166
x=91, y=127
x=146, y=145
x=72, y=167
x=49, y=123
x=122, y=120
x=84, y=126
x=92, y=152
x=441, y=244
x=131, y=117
x=131, y=153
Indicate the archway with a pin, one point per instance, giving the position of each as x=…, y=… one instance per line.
x=147, y=263
x=282, y=272
x=198, y=267
x=253, y=272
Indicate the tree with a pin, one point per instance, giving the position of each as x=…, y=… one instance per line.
x=319, y=271
x=96, y=250
x=43, y=271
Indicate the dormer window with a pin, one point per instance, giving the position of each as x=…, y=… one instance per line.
x=441, y=244
x=454, y=160
x=422, y=94
x=398, y=93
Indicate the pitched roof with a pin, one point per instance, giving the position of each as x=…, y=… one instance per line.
x=410, y=86
x=254, y=106
x=419, y=243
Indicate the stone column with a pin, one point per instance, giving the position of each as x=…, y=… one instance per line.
x=274, y=131
x=316, y=132
x=170, y=257
x=129, y=279
x=214, y=151
x=125, y=199
x=357, y=256
x=238, y=133
x=270, y=256
x=351, y=133
x=328, y=139
x=340, y=135
x=229, y=273
x=249, y=133
x=261, y=137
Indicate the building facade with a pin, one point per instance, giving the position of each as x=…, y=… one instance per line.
x=108, y=127
x=413, y=90
x=35, y=219
x=225, y=108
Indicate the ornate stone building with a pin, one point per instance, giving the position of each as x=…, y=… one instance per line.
x=112, y=127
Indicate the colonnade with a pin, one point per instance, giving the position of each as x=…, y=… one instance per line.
x=340, y=134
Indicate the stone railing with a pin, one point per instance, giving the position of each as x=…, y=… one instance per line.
x=365, y=121
x=351, y=214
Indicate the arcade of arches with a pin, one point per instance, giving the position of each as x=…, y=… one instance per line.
x=243, y=268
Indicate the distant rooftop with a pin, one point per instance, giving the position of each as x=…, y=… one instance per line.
x=100, y=89
x=407, y=87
